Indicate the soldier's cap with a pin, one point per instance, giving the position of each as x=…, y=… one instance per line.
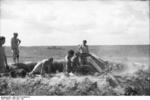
x=15, y=33
x=84, y=41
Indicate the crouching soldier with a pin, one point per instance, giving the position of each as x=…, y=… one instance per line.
x=76, y=62
x=68, y=60
x=42, y=67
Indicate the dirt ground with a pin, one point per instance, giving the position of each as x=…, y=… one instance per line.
x=119, y=81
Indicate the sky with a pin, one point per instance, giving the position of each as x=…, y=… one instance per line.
x=68, y=22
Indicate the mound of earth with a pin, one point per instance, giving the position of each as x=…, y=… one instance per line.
x=117, y=79
x=60, y=84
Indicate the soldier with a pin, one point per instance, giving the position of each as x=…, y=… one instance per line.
x=15, y=42
x=3, y=59
x=42, y=67
x=68, y=60
x=84, y=50
x=76, y=61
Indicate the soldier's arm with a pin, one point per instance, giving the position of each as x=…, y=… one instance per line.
x=19, y=41
x=80, y=48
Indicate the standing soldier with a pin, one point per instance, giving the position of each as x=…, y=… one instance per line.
x=84, y=50
x=3, y=59
x=15, y=42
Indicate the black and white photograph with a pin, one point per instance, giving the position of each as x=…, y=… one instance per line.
x=74, y=48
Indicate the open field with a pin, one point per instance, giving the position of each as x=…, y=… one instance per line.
x=134, y=53
x=131, y=78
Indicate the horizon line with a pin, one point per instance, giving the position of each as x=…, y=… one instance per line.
x=78, y=45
